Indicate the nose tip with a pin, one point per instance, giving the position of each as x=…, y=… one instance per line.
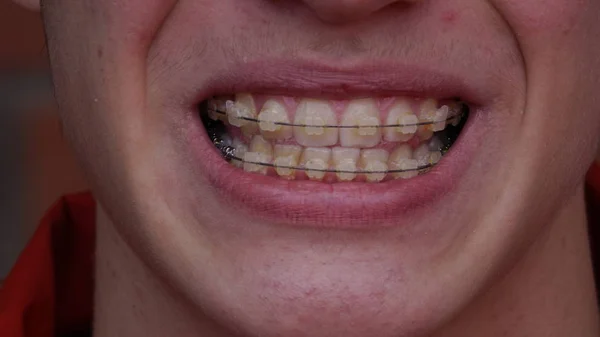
x=340, y=11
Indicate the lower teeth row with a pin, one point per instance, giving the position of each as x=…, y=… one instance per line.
x=331, y=164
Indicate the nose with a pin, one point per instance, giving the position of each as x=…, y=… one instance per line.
x=340, y=11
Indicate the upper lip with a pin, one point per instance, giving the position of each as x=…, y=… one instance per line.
x=368, y=78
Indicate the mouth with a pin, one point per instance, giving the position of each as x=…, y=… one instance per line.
x=335, y=148
x=370, y=140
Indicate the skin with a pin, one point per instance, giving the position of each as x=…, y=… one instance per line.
x=172, y=261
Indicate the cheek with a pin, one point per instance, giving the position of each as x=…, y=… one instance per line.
x=134, y=23
x=545, y=16
x=118, y=23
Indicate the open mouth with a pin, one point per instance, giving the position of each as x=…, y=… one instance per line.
x=361, y=140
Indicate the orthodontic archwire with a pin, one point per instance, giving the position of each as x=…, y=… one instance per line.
x=300, y=168
x=229, y=154
x=255, y=120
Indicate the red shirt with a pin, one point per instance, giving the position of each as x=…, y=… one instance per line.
x=49, y=292
x=50, y=289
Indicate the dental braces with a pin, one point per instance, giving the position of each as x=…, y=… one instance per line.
x=419, y=169
x=452, y=118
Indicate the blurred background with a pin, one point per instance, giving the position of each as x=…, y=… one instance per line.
x=36, y=166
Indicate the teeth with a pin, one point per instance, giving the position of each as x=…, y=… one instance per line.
x=250, y=129
x=374, y=160
x=362, y=113
x=314, y=160
x=345, y=159
x=260, y=151
x=250, y=158
x=435, y=144
x=456, y=120
x=216, y=109
x=422, y=155
x=427, y=113
x=240, y=150
x=226, y=140
x=274, y=112
x=400, y=113
x=455, y=109
x=316, y=114
x=286, y=156
x=243, y=107
x=259, y=144
x=435, y=157
x=441, y=115
x=401, y=159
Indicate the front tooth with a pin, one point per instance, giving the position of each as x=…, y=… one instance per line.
x=401, y=159
x=441, y=116
x=345, y=159
x=286, y=157
x=240, y=150
x=374, y=161
x=362, y=113
x=274, y=112
x=427, y=113
x=315, y=161
x=260, y=152
x=314, y=116
x=401, y=114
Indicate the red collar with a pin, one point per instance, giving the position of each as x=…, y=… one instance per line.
x=49, y=291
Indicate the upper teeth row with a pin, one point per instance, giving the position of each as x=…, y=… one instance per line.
x=270, y=122
x=316, y=124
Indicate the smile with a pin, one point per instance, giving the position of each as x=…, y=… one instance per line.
x=362, y=140
x=332, y=147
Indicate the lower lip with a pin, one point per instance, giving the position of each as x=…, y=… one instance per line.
x=340, y=205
